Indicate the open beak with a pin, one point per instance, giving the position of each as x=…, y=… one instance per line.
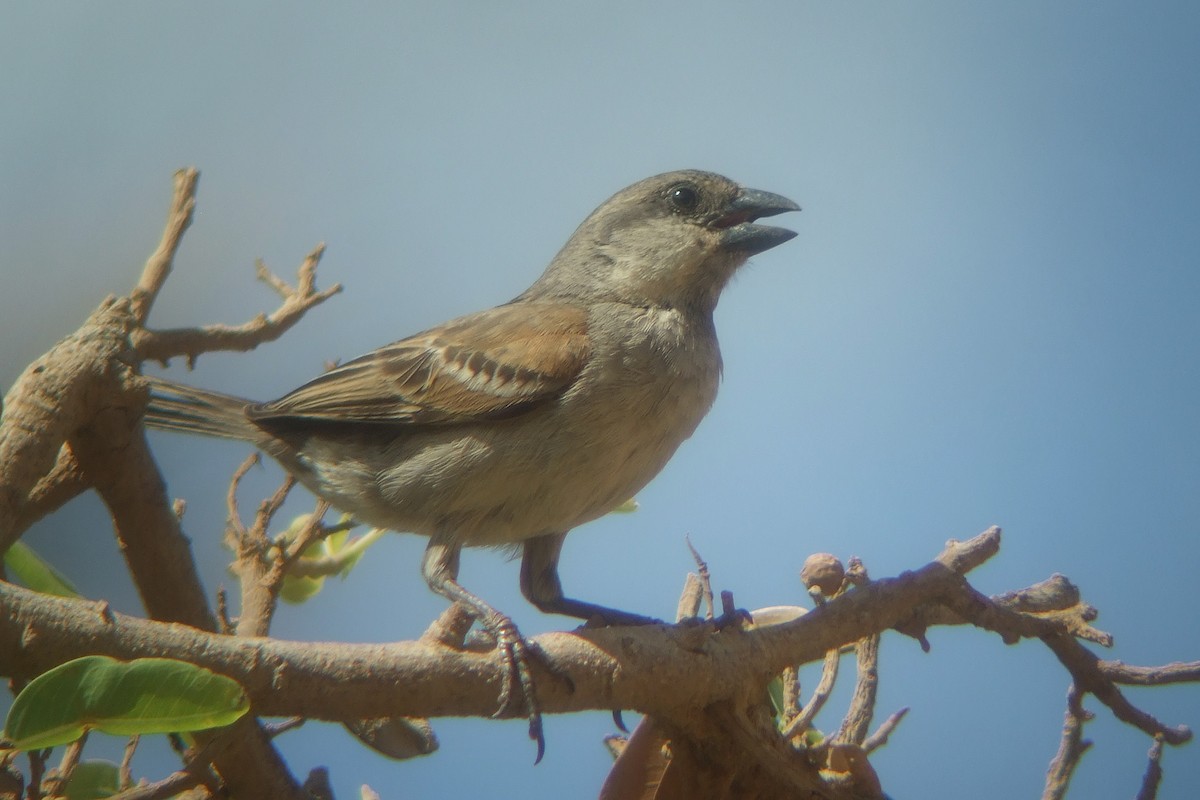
x=740, y=234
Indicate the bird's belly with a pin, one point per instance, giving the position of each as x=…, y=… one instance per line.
x=506, y=481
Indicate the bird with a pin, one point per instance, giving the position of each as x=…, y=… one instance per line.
x=514, y=425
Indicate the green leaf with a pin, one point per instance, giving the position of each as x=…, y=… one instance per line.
x=298, y=588
x=31, y=570
x=336, y=554
x=148, y=695
x=94, y=779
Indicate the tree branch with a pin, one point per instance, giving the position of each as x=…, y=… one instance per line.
x=163, y=345
x=49, y=402
x=1070, y=749
x=73, y=421
x=158, y=266
x=663, y=670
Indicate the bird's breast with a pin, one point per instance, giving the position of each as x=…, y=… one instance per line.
x=650, y=377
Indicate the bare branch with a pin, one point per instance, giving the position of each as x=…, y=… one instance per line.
x=237, y=535
x=260, y=563
x=962, y=557
x=72, y=421
x=804, y=720
x=158, y=266
x=673, y=673
x=195, y=772
x=1178, y=672
x=1153, y=776
x=163, y=345
x=705, y=579
x=52, y=399
x=64, y=482
x=313, y=530
x=880, y=737
x=657, y=669
x=1085, y=669
x=1071, y=747
x=126, y=769
x=55, y=783
x=170, y=786
x=857, y=723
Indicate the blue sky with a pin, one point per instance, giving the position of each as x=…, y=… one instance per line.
x=988, y=316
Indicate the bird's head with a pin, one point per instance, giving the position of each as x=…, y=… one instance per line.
x=671, y=240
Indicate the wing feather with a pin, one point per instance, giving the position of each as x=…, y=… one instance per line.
x=497, y=363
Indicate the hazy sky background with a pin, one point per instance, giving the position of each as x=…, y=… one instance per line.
x=989, y=315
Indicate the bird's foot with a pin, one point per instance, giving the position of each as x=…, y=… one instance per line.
x=595, y=616
x=733, y=619
x=518, y=686
x=614, y=618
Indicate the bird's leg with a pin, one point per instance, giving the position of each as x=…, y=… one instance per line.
x=440, y=570
x=541, y=586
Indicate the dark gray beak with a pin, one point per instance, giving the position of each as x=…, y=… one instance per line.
x=740, y=234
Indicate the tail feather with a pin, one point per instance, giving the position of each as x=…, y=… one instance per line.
x=177, y=407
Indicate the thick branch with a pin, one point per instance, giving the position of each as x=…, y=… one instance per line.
x=49, y=402
x=669, y=672
x=662, y=670
x=64, y=482
x=73, y=421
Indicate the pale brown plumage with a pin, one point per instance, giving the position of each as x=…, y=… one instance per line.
x=513, y=425
x=489, y=365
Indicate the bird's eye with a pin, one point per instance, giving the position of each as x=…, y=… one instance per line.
x=683, y=197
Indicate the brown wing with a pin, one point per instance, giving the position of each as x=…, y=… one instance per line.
x=497, y=363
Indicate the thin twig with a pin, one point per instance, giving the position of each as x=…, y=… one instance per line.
x=880, y=737
x=223, y=620
x=168, y=787
x=37, y=771
x=803, y=721
x=1085, y=670
x=163, y=345
x=705, y=579
x=258, y=560
x=126, y=770
x=158, y=265
x=312, y=530
x=268, y=508
x=234, y=519
x=1177, y=672
x=1071, y=747
x=1153, y=775
x=57, y=785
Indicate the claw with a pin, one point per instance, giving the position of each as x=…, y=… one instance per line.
x=515, y=652
x=440, y=568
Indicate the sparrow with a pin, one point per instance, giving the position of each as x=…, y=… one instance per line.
x=514, y=425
